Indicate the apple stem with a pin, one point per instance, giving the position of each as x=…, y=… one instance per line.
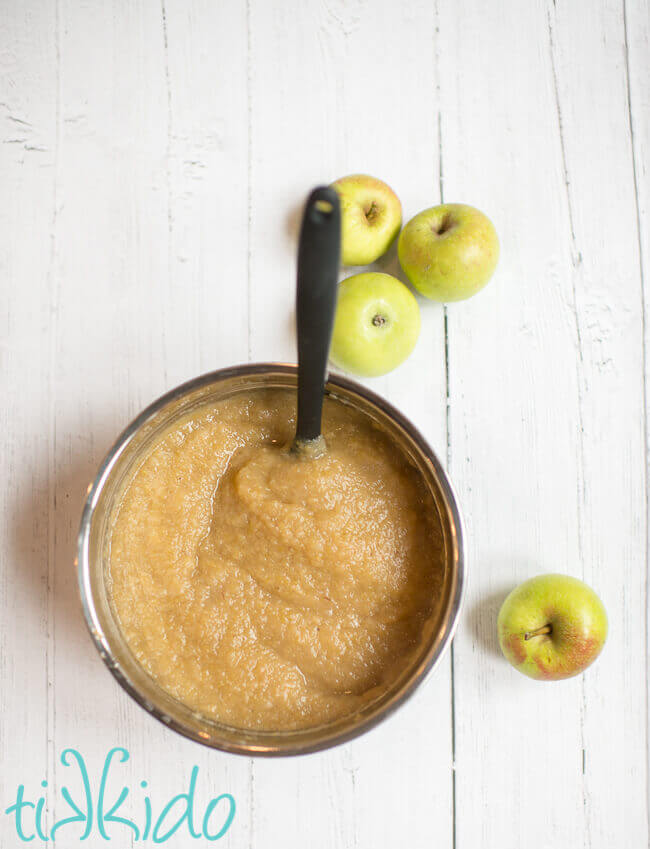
x=444, y=225
x=371, y=211
x=545, y=629
x=378, y=320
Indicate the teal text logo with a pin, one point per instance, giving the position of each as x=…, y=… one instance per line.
x=95, y=815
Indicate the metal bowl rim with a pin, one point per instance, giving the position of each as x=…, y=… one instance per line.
x=334, y=737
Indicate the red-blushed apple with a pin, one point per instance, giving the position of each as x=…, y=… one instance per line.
x=371, y=215
x=552, y=627
x=376, y=326
x=449, y=252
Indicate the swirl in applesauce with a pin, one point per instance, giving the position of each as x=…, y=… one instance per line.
x=265, y=591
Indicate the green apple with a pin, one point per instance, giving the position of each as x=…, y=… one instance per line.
x=376, y=326
x=552, y=627
x=449, y=252
x=371, y=216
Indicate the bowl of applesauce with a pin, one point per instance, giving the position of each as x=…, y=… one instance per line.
x=256, y=601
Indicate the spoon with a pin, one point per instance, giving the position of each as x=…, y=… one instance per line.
x=319, y=252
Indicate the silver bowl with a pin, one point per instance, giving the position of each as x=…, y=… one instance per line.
x=103, y=497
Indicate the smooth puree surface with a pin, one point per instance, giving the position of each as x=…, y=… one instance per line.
x=265, y=591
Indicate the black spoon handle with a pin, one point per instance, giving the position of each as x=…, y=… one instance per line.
x=318, y=265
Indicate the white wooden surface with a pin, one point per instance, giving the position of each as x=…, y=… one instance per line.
x=153, y=160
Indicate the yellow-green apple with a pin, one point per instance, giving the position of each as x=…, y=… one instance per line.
x=449, y=252
x=371, y=215
x=376, y=326
x=552, y=627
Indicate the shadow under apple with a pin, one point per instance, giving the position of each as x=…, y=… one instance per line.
x=482, y=616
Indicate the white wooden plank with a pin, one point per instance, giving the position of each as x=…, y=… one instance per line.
x=27, y=168
x=347, y=96
x=606, y=276
x=98, y=366
x=514, y=421
x=558, y=414
x=637, y=50
x=151, y=249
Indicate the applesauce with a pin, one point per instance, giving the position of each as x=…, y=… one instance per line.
x=267, y=591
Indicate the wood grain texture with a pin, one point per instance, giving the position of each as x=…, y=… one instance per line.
x=556, y=482
x=27, y=530
x=513, y=452
x=610, y=325
x=636, y=31
x=155, y=157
